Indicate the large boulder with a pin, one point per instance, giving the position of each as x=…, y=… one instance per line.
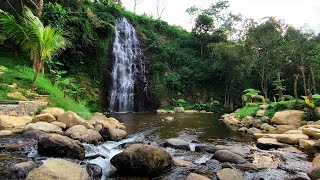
x=230, y=174
x=45, y=117
x=314, y=173
x=142, y=160
x=176, y=143
x=183, y=163
x=70, y=119
x=291, y=138
x=284, y=128
x=109, y=132
x=230, y=120
x=56, y=145
x=307, y=146
x=268, y=143
x=227, y=156
x=311, y=131
x=289, y=117
x=194, y=176
x=14, y=124
x=58, y=169
x=81, y=133
x=56, y=112
x=43, y=126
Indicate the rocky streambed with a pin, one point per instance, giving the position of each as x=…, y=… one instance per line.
x=188, y=146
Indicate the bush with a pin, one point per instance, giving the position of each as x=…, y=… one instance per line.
x=247, y=111
x=42, y=91
x=316, y=102
x=213, y=106
x=297, y=105
x=311, y=115
x=281, y=106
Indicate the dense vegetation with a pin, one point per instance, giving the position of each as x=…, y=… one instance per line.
x=222, y=56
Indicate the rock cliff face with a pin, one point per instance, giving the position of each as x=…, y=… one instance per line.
x=117, y=88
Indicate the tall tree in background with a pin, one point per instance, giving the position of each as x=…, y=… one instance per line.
x=136, y=3
x=42, y=43
x=161, y=5
x=263, y=47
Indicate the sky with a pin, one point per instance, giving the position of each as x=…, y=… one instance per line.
x=299, y=13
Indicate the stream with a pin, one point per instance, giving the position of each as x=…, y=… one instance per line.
x=149, y=128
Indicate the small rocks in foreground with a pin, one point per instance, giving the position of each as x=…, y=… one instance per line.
x=230, y=174
x=58, y=169
x=142, y=160
x=194, y=176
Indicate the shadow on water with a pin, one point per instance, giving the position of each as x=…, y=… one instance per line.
x=201, y=127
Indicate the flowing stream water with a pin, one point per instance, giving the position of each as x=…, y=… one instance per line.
x=150, y=128
x=128, y=68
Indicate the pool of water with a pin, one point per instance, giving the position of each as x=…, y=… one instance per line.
x=200, y=127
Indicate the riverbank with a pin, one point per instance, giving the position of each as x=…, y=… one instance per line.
x=198, y=144
x=285, y=130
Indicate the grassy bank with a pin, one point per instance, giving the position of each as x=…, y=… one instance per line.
x=16, y=72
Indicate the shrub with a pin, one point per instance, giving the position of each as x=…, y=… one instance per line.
x=281, y=106
x=213, y=106
x=297, y=105
x=247, y=111
x=311, y=115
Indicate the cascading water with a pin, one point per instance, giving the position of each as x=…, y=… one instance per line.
x=128, y=69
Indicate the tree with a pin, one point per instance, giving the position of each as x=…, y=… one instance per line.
x=161, y=5
x=136, y=2
x=39, y=41
x=264, y=55
x=228, y=54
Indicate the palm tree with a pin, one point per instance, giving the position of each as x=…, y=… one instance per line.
x=41, y=42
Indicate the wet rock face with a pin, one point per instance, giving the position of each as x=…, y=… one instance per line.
x=20, y=170
x=82, y=134
x=142, y=160
x=94, y=171
x=227, y=156
x=56, y=145
x=177, y=144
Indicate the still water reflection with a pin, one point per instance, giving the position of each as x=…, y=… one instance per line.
x=202, y=127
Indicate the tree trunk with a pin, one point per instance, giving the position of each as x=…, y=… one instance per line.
x=39, y=8
x=280, y=91
x=296, y=86
x=314, y=88
x=303, y=73
x=37, y=71
x=42, y=67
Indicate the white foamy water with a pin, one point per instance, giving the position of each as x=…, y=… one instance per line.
x=127, y=67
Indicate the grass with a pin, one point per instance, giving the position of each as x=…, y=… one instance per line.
x=247, y=111
x=23, y=76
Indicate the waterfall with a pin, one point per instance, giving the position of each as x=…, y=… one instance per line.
x=129, y=69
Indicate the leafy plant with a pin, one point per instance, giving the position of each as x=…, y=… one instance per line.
x=311, y=115
x=213, y=106
x=179, y=102
x=250, y=94
x=286, y=97
x=247, y=111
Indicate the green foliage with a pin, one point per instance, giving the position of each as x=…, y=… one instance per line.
x=286, y=97
x=247, y=111
x=179, y=102
x=311, y=115
x=22, y=76
x=213, y=106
